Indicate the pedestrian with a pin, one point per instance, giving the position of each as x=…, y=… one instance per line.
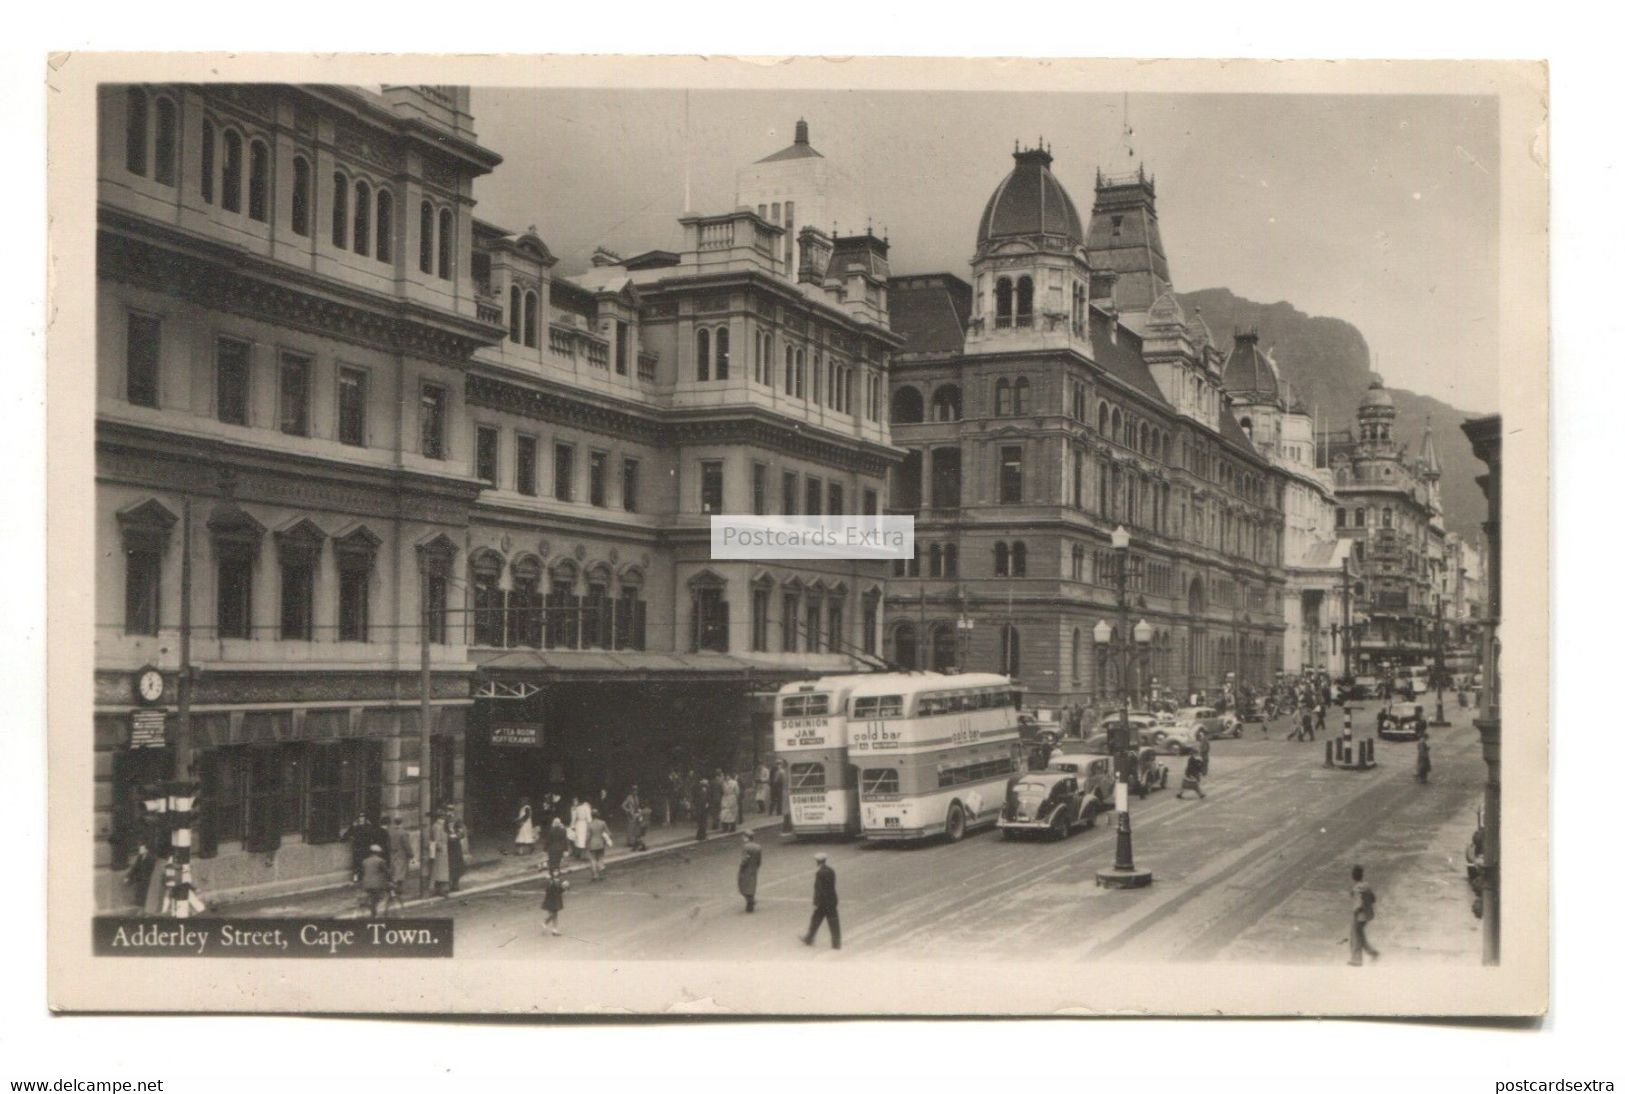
x=715, y=798
x=553, y=900
x=375, y=880
x=1320, y=717
x=776, y=789
x=1424, y=758
x=524, y=839
x=439, y=854
x=1202, y=747
x=750, y=864
x=403, y=855
x=580, y=818
x=361, y=836
x=456, y=844
x=760, y=788
x=1193, y=776
x=825, y=904
x=1308, y=725
x=728, y=809
x=558, y=844
x=1365, y=909
x=702, y=798
x=632, y=809
x=598, y=842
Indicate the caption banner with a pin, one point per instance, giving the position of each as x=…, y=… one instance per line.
x=130, y=936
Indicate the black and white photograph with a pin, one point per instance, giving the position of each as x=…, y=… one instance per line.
x=399, y=424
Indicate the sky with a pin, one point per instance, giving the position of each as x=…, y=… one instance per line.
x=1380, y=209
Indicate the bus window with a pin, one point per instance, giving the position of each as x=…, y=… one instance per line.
x=877, y=706
x=803, y=706
x=880, y=780
x=806, y=776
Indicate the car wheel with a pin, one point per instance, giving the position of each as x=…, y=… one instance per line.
x=1058, y=828
x=1158, y=737
x=955, y=828
x=1164, y=781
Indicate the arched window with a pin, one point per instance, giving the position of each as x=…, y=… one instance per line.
x=426, y=237
x=721, y=370
x=1001, y=559
x=789, y=370
x=943, y=647
x=341, y=208
x=1001, y=302
x=905, y=646
x=801, y=372
x=1145, y=438
x=231, y=173
x=259, y=181
x=1117, y=426
x=767, y=360
x=206, y=163
x=1387, y=518
x=135, y=131
x=386, y=227
x=1018, y=559
x=1359, y=518
x=1010, y=650
x=935, y=567
x=444, y=249
x=530, y=319
x=361, y=235
x=1103, y=425
x=514, y=318
x=945, y=404
x=950, y=560
x=907, y=406
x=1021, y=395
x=702, y=354
x=300, y=210
x=1024, y=302
x=1001, y=398
x=163, y=145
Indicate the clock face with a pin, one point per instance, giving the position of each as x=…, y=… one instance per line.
x=151, y=685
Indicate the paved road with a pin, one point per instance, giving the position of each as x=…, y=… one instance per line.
x=1256, y=871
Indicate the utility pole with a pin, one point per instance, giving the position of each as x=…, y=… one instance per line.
x=183, y=680
x=1348, y=618
x=425, y=737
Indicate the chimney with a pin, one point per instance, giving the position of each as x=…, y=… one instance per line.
x=815, y=249
x=1103, y=290
x=801, y=132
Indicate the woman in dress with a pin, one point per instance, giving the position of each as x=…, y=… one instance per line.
x=524, y=839
x=759, y=791
x=553, y=899
x=728, y=814
x=580, y=818
x=439, y=855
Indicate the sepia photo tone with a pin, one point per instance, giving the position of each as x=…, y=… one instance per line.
x=394, y=417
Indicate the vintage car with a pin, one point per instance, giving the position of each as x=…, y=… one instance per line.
x=1143, y=723
x=1210, y=721
x=1399, y=726
x=1149, y=772
x=1178, y=739
x=1036, y=732
x=1053, y=802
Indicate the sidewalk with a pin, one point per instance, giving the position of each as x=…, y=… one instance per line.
x=489, y=871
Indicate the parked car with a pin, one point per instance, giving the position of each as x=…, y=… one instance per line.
x=1148, y=773
x=1053, y=802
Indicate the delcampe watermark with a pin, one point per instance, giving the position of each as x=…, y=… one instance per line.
x=836, y=536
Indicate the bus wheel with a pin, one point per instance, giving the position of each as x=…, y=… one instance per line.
x=956, y=823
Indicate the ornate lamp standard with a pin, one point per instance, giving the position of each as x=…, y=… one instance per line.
x=1123, y=874
x=1438, y=660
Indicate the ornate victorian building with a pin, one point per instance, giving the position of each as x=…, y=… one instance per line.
x=1061, y=394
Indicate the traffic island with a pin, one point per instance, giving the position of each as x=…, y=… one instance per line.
x=1122, y=879
x=1351, y=755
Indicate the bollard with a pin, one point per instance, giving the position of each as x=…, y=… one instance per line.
x=1330, y=746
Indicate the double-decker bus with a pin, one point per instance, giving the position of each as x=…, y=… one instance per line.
x=934, y=752
x=809, y=732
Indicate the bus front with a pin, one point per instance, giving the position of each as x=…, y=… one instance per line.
x=809, y=732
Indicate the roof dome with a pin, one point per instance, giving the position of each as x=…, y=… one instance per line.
x=1376, y=398
x=1030, y=201
x=1248, y=371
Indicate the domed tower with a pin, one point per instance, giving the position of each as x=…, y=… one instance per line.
x=1030, y=270
x=1376, y=421
x=1254, y=388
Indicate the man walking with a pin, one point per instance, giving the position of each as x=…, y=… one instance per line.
x=750, y=864
x=1424, y=758
x=375, y=879
x=776, y=788
x=1365, y=909
x=825, y=904
x=403, y=855
x=633, y=808
x=1193, y=776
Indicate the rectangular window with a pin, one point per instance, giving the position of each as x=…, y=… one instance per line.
x=231, y=381
x=524, y=465
x=1010, y=475
x=141, y=344
x=815, y=496
x=294, y=394
x=789, y=621
x=629, y=485
x=436, y=594
x=597, y=474
x=620, y=347
x=564, y=472
x=298, y=591
x=141, y=570
x=432, y=421
x=710, y=486
x=871, y=503
x=234, y=592
x=837, y=499
x=759, y=599
x=788, y=493
x=352, y=406
x=486, y=440
x=710, y=620
x=353, y=600
x=814, y=632
x=945, y=478
x=758, y=488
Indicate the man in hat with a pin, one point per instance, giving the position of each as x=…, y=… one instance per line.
x=403, y=854
x=824, y=903
x=361, y=836
x=375, y=879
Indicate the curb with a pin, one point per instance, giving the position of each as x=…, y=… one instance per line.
x=538, y=873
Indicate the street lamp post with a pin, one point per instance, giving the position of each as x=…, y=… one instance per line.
x=1438, y=660
x=1123, y=873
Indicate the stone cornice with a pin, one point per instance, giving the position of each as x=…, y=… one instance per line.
x=225, y=278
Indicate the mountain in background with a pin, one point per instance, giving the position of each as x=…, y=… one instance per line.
x=1328, y=365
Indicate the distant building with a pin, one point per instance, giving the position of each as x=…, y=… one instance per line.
x=795, y=188
x=1064, y=392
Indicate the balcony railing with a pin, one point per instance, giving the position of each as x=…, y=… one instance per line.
x=646, y=367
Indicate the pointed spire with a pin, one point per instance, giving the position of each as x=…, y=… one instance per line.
x=1430, y=455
